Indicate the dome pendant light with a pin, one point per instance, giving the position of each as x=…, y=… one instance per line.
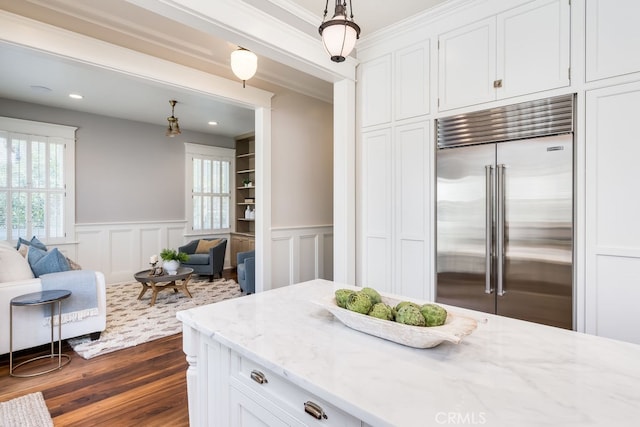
x=244, y=64
x=174, y=128
x=340, y=33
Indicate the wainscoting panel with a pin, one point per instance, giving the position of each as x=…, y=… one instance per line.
x=282, y=265
x=327, y=256
x=121, y=257
x=300, y=254
x=308, y=258
x=122, y=249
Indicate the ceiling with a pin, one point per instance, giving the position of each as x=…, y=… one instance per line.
x=106, y=92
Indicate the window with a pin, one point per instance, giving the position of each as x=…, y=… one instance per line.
x=209, y=175
x=34, y=172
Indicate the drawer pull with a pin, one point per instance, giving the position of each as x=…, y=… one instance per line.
x=314, y=410
x=258, y=377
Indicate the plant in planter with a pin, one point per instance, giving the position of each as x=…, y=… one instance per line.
x=172, y=259
x=247, y=182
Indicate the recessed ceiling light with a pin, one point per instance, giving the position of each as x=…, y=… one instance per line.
x=212, y=123
x=75, y=96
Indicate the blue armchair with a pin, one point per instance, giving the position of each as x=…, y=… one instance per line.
x=247, y=271
x=210, y=263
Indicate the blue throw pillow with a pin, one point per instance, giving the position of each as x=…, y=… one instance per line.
x=34, y=254
x=51, y=262
x=34, y=242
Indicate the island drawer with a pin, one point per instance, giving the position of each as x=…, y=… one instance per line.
x=298, y=402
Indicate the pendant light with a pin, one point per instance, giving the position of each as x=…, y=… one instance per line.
x=174, y=128
x=340, y=33
x=244, y=64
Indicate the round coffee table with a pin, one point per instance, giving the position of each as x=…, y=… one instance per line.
x=165, y=281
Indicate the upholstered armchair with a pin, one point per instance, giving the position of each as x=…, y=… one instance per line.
x=206, y=256
x=247, y=271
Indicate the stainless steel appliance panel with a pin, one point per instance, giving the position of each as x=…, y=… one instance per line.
x=464, y=226
x=535, y=181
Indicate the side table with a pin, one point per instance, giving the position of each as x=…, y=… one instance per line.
x=35, y=299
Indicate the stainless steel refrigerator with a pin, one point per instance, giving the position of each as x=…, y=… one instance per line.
x=505, y=211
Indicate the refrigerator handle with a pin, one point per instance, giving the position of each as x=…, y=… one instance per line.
x=500, y=228
x=488, y=170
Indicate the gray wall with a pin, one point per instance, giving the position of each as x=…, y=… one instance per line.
x=125, y=170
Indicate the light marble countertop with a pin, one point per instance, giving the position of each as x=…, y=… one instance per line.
x=506, y=373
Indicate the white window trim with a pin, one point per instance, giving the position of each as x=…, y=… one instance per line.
x=226, y=154
x=68, y=135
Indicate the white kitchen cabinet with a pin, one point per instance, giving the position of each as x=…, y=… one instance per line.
x=410, y=200
x=395, y=209
x=411, y=77
x=376, y=209
x=375, y=89
x=612, y=38
x=246, y=412
x=612, y=212
x=467, y=65
x=520, y=51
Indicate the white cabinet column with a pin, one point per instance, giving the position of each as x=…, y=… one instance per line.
x=612, y=212
x=344, y=182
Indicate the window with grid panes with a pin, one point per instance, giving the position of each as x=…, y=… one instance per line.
x=209, y=172
x=33, y=193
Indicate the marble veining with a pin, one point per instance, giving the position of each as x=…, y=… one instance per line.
x=506, y=373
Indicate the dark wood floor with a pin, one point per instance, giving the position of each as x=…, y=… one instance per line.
x=143, y=385
x=139, y=386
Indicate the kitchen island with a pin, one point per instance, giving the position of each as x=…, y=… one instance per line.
x=278, y=358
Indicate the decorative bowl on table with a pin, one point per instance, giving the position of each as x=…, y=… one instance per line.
x=454, y=329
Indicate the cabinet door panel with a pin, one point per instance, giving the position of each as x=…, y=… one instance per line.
x=411, y=204
x=412, y=81
x=612, y=38
x=467, y=65
x=612, y=241
x=533, y=48
x=376, y=214
x=375, y=84
x=247, y=413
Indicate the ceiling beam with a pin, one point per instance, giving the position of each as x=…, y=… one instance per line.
x=247, y=26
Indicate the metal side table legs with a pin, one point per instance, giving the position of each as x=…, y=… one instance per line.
x=36, y=299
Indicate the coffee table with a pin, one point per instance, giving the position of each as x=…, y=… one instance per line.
x=166, y=281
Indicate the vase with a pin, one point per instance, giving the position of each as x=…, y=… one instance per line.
x=171, y=267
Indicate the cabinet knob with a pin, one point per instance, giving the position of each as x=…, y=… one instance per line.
x=497, y=83
x=258, y=377
x=314, y=410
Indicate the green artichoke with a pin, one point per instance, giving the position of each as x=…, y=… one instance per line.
x=408, y=314
x=359, y=302
x=434, y=314
x=381, y=311
x=373, y=294
x=342, y=295
x=403, y=303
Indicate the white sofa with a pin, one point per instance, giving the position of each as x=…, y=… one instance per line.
x=29, y=329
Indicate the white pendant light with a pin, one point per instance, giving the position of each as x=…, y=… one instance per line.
x=339, y=34
x=244, y=64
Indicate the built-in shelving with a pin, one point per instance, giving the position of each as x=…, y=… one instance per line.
x=243, y=239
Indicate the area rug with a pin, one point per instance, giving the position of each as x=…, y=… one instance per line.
x=26, y=411
x=131, y=321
